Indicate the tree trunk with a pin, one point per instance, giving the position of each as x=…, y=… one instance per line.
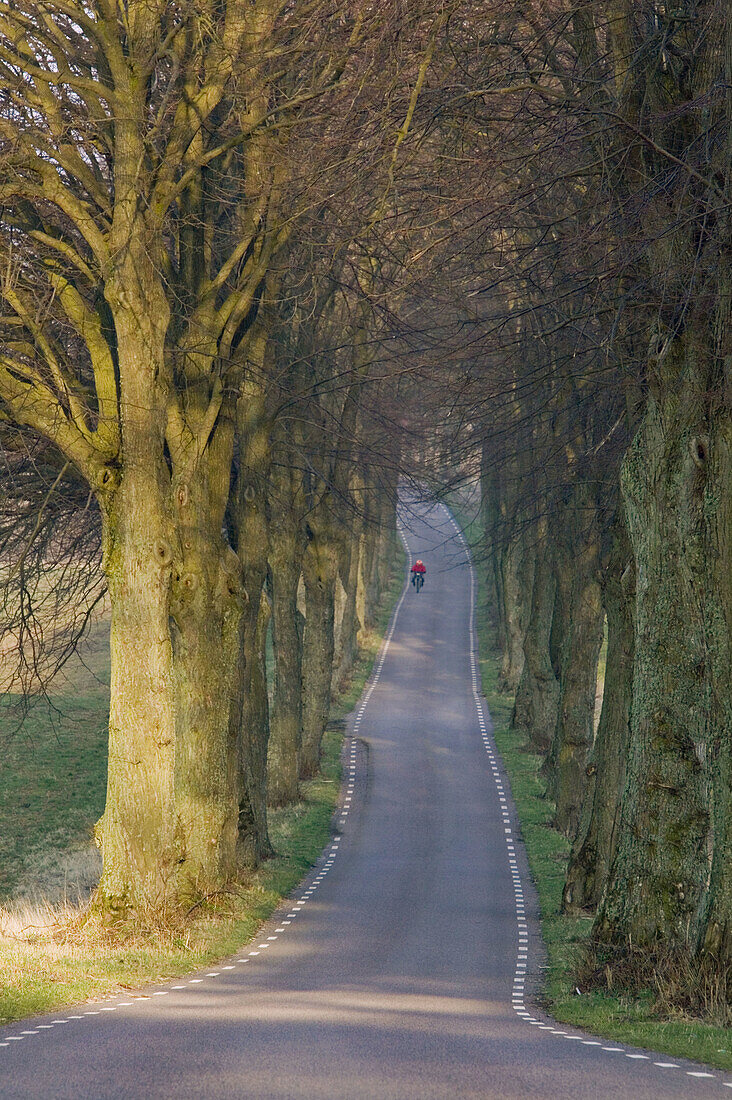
x=488, y=517
x=574, y=732
x=716, y=937
x=206, y=612
x=515, y=564
x=285, y=559
x=249, y=518
x=168, y=832
x=286, y=716
x=253, y=844
x=320, y=571
x=340, y=600
x=560, y=617
x=138, y=834
x=370, y=562
x=350, y=624
x=387, y=536
x=713, y=459
x=662, y=864
x=672, y=852
x=537, y=697
x=594, y=847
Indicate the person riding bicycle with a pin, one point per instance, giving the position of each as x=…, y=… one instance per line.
x=418, y=570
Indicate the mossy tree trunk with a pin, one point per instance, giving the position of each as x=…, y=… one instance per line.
x=594, y=847
x=662, y=866
x=370, y=541
x=286, y=548
x=537, y=696
x=579, y=585
x=515, y=565
x=349, y=565
x=672, y=854
x=510, y=562
x=388, y=536
x=714, y=459
x=169, y=827
x=350, y=568
x=253, y=843
x=489, y=511
x=715, y=941
x=138, y=834
x=320, y=572
x=248, y=514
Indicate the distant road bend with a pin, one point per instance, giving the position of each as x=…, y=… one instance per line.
x=405, y=966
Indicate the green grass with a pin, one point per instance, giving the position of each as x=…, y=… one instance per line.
x=53, y=771
x=636, y=1020
x=71, y=960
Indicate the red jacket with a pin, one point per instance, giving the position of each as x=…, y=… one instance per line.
x=418, y=567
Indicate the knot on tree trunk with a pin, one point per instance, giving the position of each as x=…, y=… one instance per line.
x=162, y=552
x=188, y=582
x=699, y=450
x=108, y=479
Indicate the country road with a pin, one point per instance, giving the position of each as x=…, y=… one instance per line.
x=405, y=967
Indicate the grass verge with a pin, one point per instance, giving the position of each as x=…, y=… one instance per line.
x=50, y=956
x=638, y=1020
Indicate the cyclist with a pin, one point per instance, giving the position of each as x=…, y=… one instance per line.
x=418, y=573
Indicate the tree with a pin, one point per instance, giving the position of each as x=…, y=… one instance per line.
x=144, y=195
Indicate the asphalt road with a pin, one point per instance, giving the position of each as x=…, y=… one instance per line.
x=405, y=966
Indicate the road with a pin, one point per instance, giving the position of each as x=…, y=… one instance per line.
x=406, y=965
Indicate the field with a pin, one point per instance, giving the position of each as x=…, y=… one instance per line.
x=53, y=767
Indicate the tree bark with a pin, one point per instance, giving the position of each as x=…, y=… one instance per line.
x=594, y=847
x=320, y=572
x=168, y=831
x=249, y=519
x=662, y=865
x=350, y=624
x=537, y=697
x=515, y=562
x=253, y=844
x=286, y=718
x=716, y=938
x=370, y=561
x=672, y=853
x=578, y=582
x=715, y=944
x=286, y=546
x=387, y=533
x=489, y=516
x=138, y=834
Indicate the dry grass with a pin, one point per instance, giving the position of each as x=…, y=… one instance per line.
x=682, y=988
x=24, y=924
x=58, y=877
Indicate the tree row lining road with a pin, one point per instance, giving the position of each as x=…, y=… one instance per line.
x=406, y=977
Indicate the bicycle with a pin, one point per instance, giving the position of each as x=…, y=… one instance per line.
x=418, y=580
